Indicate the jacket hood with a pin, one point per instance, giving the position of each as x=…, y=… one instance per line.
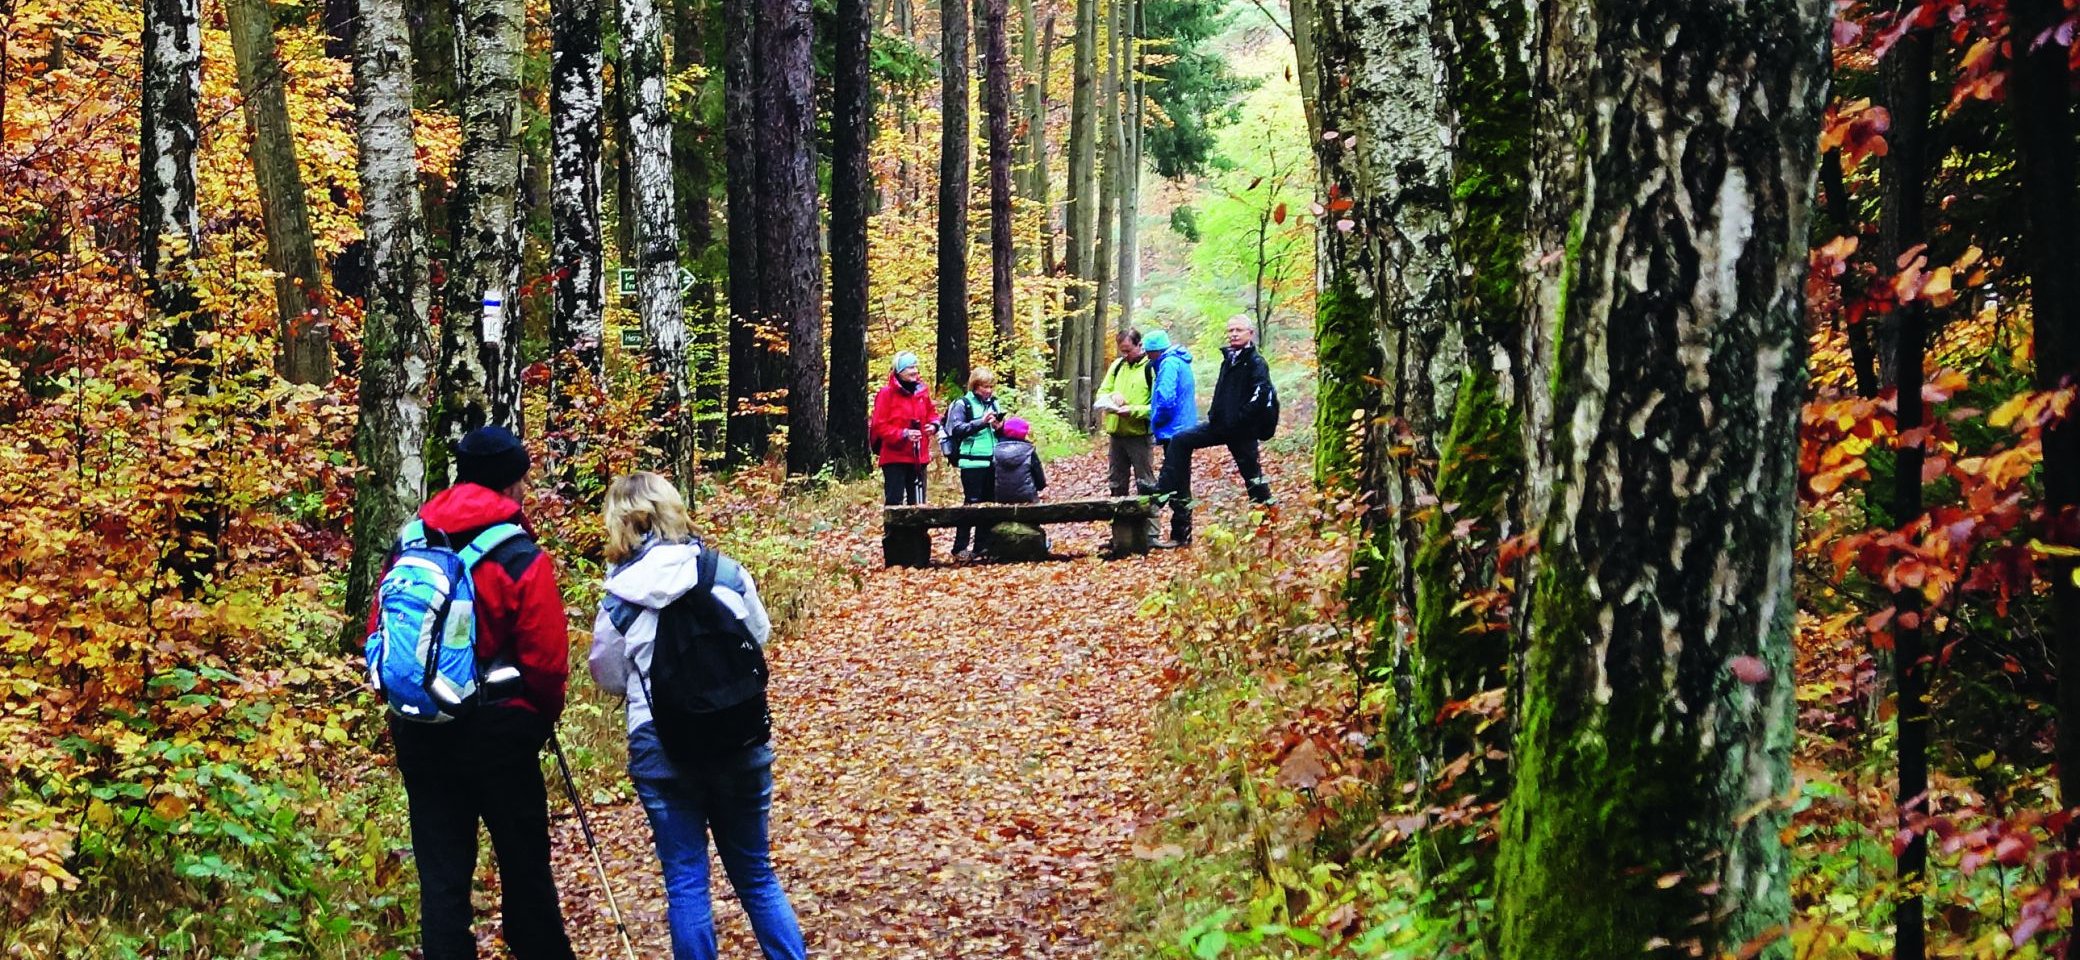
x=662, y=573
x=1178, y=352
x=467, y=506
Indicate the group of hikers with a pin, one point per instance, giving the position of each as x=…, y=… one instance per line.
x=1149, y=400
x=468, y=643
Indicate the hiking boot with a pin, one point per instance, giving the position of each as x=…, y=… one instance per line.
x=1260, y=493
x=1171, y=544
x=1148, y=489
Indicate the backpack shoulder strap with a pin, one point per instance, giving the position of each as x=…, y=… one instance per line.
x=488, y=541
x=706, y=569
x=412, y=534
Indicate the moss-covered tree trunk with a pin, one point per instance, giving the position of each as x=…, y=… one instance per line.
x=1657, y=703
x=1390, y=357
x=1461, y=643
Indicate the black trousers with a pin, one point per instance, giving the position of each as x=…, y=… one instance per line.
x=485, y=767
x=1176, y=477
x=978, y=485
x=902, y=483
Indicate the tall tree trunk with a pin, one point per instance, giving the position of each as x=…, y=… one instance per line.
x=480, y=332
x=789, y=248
x=1102, y=252
x=954, y=146
x=1305, y=14
x=1461, y=651
x=852, y=116
x=1657, y=717
x=2040, y=100
x=577, y=327
x=751, y=367
x=436, y=85
x=695, y=181
x=1905, y=79
x=1032, y=147
x=997, y=107
x=1129, y=269
x=170, y=239
x=1080, y=210
x=1389, y=353
x=397, y=358
x=304, y=354
x=656, y=254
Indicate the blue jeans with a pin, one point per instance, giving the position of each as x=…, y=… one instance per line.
x=730, y=801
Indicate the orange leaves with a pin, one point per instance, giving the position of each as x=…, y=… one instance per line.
x=1856, y=128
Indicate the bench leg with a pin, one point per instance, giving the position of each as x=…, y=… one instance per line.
x=1129, y=536
x=906, y=547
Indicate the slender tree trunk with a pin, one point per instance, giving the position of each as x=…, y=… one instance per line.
x=751, y=367
x=436, y=58
x=1032, y=146
x=789, y=248
x=997, y=108
x=2040, y=100
x=694, y=152
x=656, y=254
x=1102, y=252
x=480, y=333
x=1129, y=159
x=954, y=147
x=577, y=327
x=1460, y=650
x=1905, y=79
x=1042, y=175
x=1080, y=213
x=852, y=117
x=304, y=354
x=1305, y=13
x=1657, y=720
x=342, y=22
x=397, y=358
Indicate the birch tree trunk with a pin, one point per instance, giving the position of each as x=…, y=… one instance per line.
x=1461, y=650
x=852, y=115
x=397, y=360
x=656, y=253
x=577, y=328
x=304, y=354
x=954, y=145
x=1389, y=352
x=169, y=224
x=753, y=373
x=480, y=332
x=997, y=108
x=1656, y=725
x=789, y=246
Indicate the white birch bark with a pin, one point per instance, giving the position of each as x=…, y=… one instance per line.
x=656, y=254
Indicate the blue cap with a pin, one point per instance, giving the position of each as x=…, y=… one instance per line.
x=1156, y=342
x=904, y=361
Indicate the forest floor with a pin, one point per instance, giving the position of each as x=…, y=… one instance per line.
x=962, y=754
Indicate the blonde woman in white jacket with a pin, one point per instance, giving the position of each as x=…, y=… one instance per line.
x=654, y=561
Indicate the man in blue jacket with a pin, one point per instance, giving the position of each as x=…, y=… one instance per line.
x=1240, y=398
x=1173, y=409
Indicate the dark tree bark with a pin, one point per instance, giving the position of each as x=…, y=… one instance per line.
x=342, y=22
x=1034, y=46
x=577, y=326
x=304, y=354
x=753, y=372
x=1657, y=719
x=789, y=248
x=1905, y=79
x=852, y=116
x=480, y=329
x=996, y=87
x=954, y=147
x=656, y=253
x=2039, y=98
x=397, y=361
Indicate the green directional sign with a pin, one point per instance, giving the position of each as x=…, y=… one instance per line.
x=631, y=338
x=626, y=278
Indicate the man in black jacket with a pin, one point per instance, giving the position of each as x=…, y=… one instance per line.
x=1241, y=398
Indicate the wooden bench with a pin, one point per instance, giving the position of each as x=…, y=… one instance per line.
x=906, y=531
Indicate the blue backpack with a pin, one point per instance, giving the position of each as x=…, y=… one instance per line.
x=423, y=654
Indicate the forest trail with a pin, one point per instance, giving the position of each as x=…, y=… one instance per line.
x=960, y=756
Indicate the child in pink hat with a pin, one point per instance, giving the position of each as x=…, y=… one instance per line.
x=1019, y=475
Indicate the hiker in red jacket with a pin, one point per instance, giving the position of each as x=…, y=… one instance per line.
x=485, y=765
x=900, y=430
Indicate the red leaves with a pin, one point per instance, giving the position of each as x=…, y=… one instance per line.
x=1749, y=670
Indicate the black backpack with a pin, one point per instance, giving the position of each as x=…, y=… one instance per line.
x=1267, y=412
x=707, y=681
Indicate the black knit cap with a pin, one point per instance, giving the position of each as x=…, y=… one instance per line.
x=490, y=457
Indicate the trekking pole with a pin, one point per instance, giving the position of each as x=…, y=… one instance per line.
x=571, y=784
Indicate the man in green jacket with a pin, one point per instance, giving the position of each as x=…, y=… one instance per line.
x=1124, y=396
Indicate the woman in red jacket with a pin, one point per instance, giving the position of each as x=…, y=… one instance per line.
x=899, y=432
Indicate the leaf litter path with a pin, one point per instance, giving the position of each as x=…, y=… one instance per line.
x=961, y=757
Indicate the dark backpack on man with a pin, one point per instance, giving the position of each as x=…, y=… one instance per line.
x=707, y=681
x=1267, y=412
